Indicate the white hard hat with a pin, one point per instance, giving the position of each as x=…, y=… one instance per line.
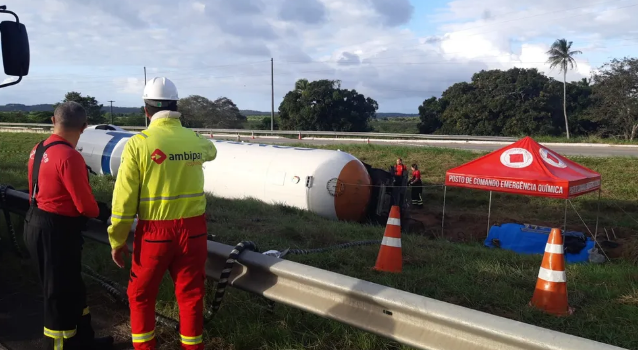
x=160, y=88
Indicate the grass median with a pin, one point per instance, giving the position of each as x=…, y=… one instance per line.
x=453, y=267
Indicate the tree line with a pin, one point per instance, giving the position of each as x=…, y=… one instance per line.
x=520, y=102
x=197, y=112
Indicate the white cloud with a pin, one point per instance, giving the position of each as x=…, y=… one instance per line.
x=223, y=48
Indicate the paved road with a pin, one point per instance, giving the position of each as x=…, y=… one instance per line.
x=567, y=150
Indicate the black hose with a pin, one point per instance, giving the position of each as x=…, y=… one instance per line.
x=7, y=217
x=321, y=250
x=116, y=290
x=223, y=277
x=91, y=272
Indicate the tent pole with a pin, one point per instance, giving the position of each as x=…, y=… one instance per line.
x=565, y=218
x=489, y=214
x=598, y=212
x=443, y=216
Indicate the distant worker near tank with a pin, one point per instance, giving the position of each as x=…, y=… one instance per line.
x=399, y=172
x=162, y=181
x=417, y=186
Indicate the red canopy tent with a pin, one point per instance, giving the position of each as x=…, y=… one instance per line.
x=525, y=167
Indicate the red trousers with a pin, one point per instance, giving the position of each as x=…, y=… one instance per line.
x=178, y=246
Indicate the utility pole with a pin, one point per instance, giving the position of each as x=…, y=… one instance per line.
x=112, y=112
x=145, y=119
x=272, y=95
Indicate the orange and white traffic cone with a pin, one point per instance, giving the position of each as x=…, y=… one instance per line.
x=252, y=135
x=299, y=136
x=390, y=258
x=550, y=294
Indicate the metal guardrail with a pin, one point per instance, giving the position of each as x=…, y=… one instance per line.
x=407, y=318
x=306, y=133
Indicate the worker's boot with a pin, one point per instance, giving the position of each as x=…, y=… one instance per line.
x=73, y=343
x=102, y=343
x=87, y=336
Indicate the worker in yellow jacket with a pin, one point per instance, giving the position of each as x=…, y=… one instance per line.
x=162, y=181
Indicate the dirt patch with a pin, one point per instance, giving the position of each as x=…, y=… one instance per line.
x=457, y=228
x=621, y=243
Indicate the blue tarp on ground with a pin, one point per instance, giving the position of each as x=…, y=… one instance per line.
x=530, y=239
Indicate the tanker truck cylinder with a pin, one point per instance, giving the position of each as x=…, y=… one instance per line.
x=332, y=184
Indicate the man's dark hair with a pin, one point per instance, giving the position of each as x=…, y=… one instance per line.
x=154, y=106
x=70, y=115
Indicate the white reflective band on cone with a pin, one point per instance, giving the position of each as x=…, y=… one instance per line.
x=391, y=242
x=554, y=248
x=552, y=276
x=393, y=221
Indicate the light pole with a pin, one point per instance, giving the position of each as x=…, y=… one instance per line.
x=272, y=95
x=112, y=112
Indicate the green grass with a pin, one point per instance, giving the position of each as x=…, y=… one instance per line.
x=460, y=272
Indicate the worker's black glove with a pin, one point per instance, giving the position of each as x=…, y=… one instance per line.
x=105, y=212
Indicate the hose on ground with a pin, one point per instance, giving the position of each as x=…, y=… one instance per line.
x=326, y=249
x=223, y=277
x=7, y=217
x=117, y=291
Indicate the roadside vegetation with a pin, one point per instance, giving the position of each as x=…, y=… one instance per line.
x=452, y=266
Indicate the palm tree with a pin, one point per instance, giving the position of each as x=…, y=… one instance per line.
x=301, y=85
x=561, y=56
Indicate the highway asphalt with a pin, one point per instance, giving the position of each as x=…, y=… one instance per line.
x=564, y=149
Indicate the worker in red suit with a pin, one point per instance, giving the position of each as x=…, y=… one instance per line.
x=399, y=172
x=416, y=184
x=161, y=181
x=60, y=203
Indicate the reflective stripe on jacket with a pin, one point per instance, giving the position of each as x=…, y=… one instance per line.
x=160, y=176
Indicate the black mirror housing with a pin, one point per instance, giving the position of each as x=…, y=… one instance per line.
x=15, y=48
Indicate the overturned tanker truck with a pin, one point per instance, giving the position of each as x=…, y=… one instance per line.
x=332, y=184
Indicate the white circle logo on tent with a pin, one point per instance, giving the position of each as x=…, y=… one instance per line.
x=516, y=158
x=551, y=158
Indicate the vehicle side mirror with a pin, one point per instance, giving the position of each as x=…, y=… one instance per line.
x=15, y=48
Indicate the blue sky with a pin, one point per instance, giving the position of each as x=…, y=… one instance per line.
x=219, y=48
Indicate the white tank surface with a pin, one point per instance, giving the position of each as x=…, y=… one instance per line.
x=333, y=184
x=105, y=127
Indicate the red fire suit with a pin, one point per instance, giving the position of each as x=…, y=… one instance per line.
x=162, y=181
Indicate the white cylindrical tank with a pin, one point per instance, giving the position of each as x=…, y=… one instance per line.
x=333, y=184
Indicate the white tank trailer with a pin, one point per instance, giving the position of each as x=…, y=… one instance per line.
x=333, y=184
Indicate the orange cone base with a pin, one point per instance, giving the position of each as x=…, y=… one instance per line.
x=389, y=260
x=551, y=302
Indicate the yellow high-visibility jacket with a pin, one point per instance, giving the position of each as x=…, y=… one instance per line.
x=160, y=176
